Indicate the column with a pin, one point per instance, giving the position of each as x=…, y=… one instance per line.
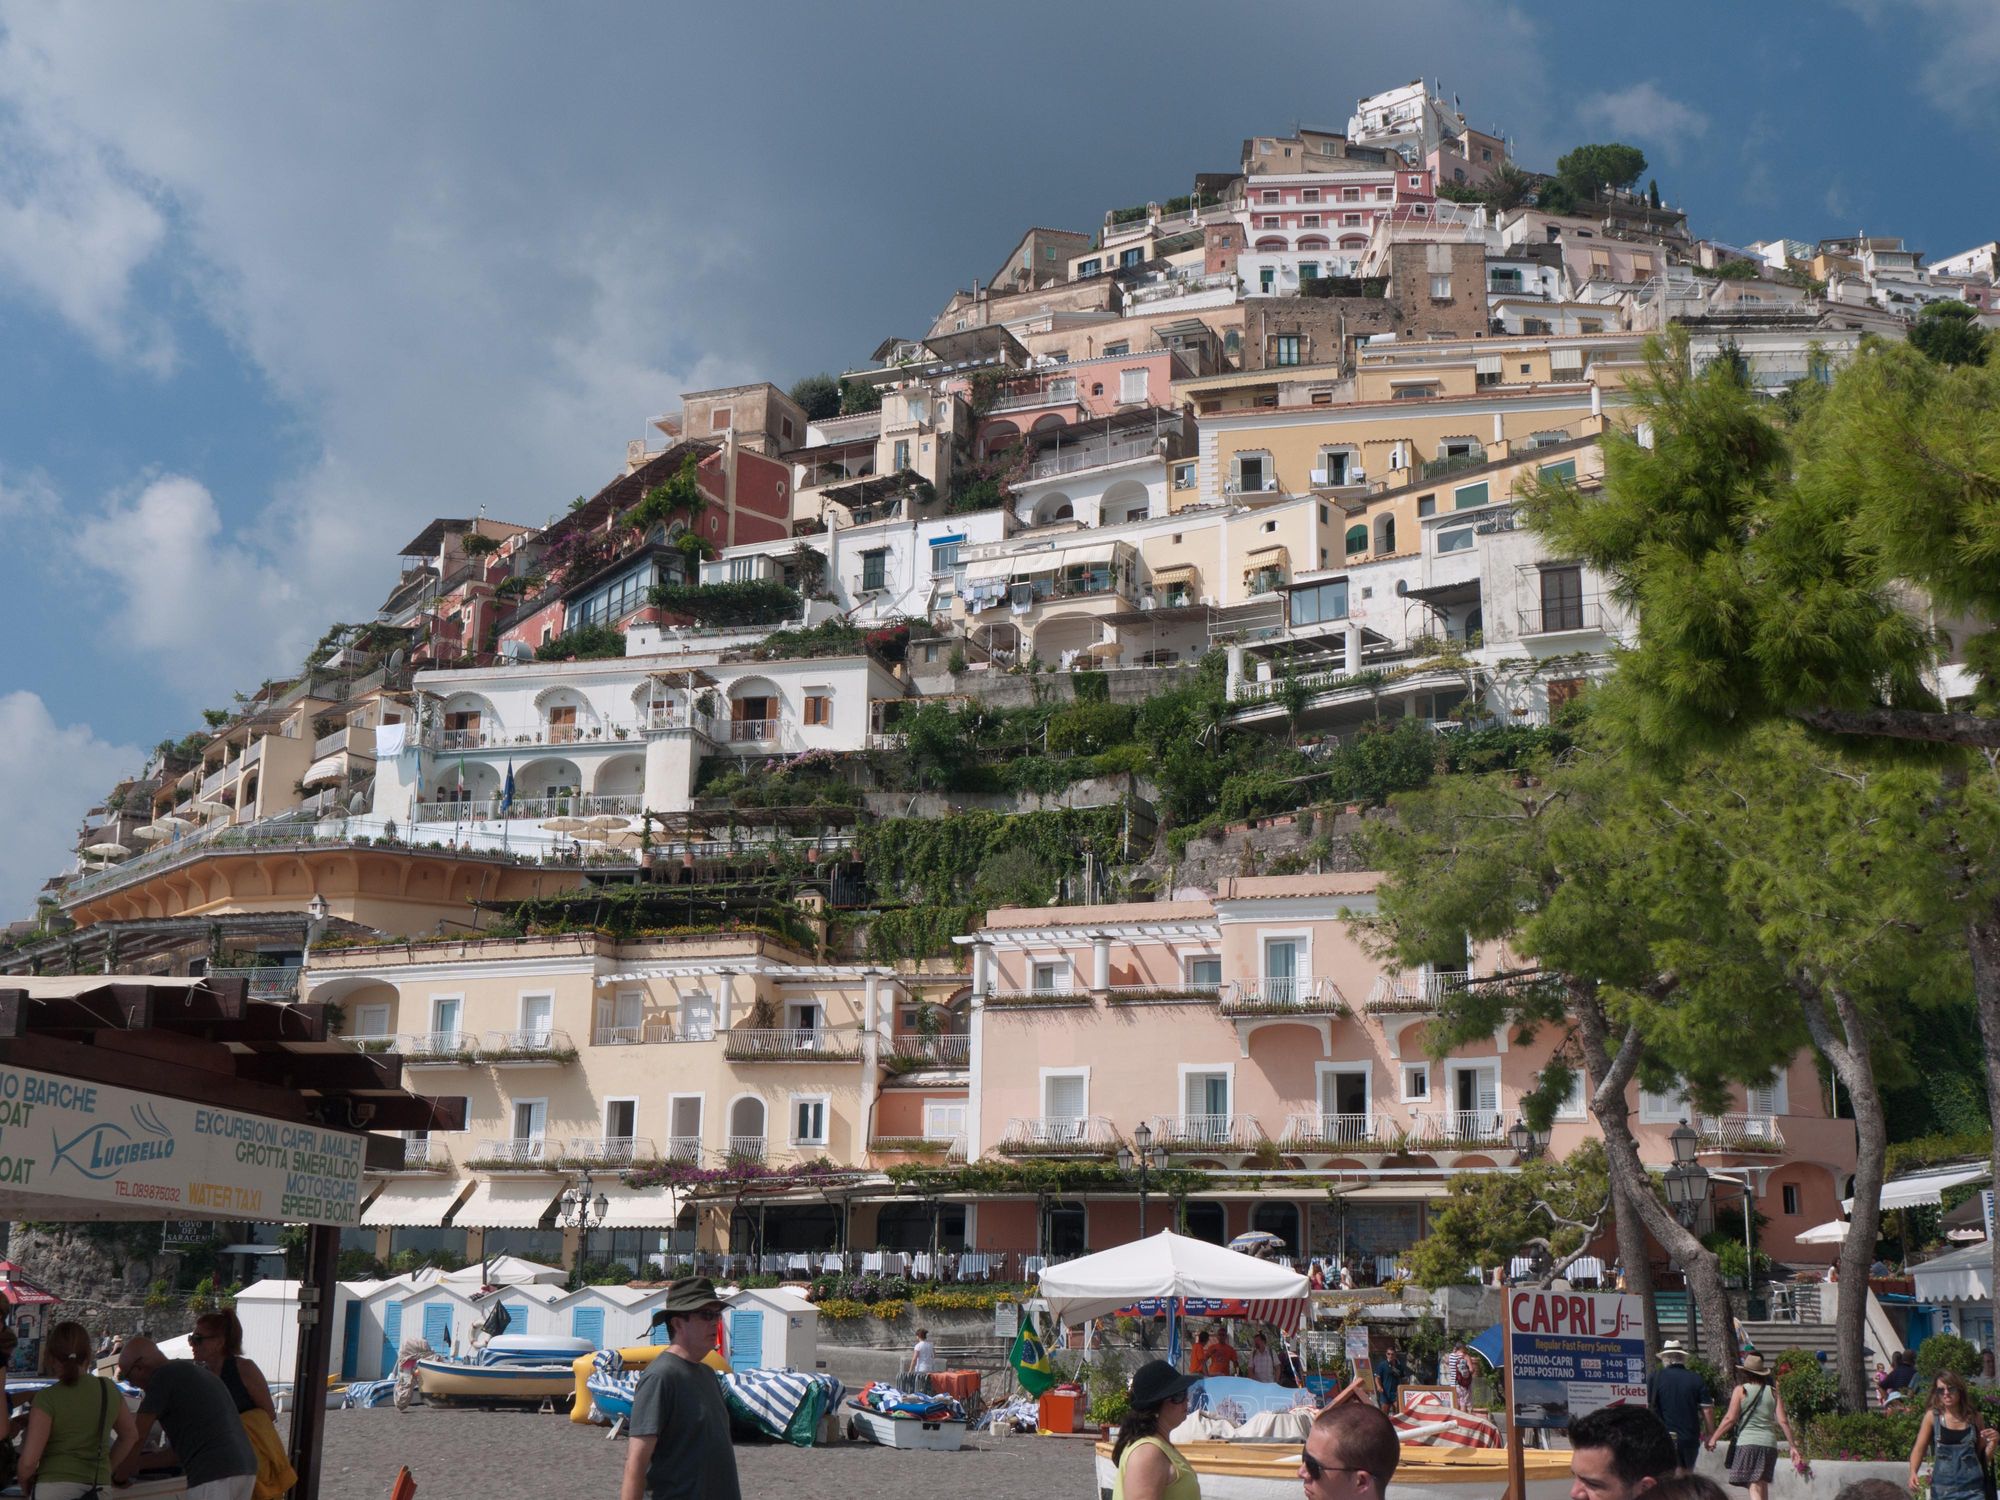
x=1100, y=963
x=1235, y=673
x=1351, y=651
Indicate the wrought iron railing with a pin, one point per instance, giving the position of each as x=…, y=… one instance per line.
x=1350, y=1130
x=272, y=982
x=437, y=1047
x=1059, y=1135
x=789, y=1044
x=1740, y=1132
x=1416, y=992
x=611, y=1149
x=951, y=1050
x=1301, y=992
x=1207, y=1132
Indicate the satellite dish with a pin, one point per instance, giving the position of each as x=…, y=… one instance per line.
x=395, y=658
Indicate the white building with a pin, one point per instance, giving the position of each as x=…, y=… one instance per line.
x=1410, y=119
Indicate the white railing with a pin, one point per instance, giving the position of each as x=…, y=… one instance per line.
x=1484, y=1127
x=1282, y=992
x=1055, y=394
x=788, y=1044
x=684, y=1148
x=618, y=1036
x=452, y=1047
x=529, y=1151
x=466, y=739
x=424, y=1154
x=1035, y=994
x=253, y=754
x=1418, y=991
x=752, y=731
x=948, y=1051
x=747, y=1147
x=674, y=1031
x=529, y=809
x=1740, y=1132
x=1207, y=1132
x=1090, y=454
x=611, y=1148
x=1059, y=1134
x=1340, y=1130
x=533, y=1043
x=278, y=982
x=212, y=782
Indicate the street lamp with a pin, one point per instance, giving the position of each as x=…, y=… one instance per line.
x=1520, y=1138
x=1685, y=1143
x=1145, y=1157
x=583, y=1213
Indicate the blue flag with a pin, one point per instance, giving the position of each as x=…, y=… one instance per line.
x=507, y=789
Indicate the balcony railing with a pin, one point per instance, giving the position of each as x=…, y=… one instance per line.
x=1740, y=1132
x=529, y=809
x=278, y=982
x=1164, y=994
x=948, y=1051
x=1059, y=1135
x=425, y=1156
x=611, y=1150
x=1056, y=393
x=1416, y=992
x=212, y=782
x=1053, y=994
x=618, y=1036
x=747, y=1148
x=1207, y=1132
x=1280, y=994
x=1340, y=1130
x=524, y=1151
x=437, y=1048
x=1094, y=453
x=1461, y=1127
x=534, y=1044
x=752, y=731
x=600, y=732
x=1438, y=468
x=684, y=1148
x=680, y=1031
x=253, y=754
x=1558, y=619
x=789, y=1044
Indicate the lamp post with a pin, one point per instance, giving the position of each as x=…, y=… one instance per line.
x=1520, y=1139
x=583, y=1213
x=316, y=914
x=1688, y=1182
x=1146, y=1156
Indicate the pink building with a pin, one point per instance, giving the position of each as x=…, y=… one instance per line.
x=1250, y=1034
x=1326, y=211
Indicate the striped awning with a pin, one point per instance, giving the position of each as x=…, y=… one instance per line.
x=420, y=1203
x=508, y=1203
x=330, y=768
x=1174, y=573
x=1565, y=359
x=640, y=1208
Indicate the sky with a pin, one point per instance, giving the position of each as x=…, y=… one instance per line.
x=279, y=284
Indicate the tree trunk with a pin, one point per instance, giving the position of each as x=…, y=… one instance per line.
x=1848, y=1053
x=1983, y=936
x=1635, y=1258
x=1629, y=1175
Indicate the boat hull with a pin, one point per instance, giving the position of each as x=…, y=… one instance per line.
x=445, y=1380
x=1270, y=1471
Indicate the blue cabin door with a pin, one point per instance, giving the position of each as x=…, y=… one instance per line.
x=350, y=1341
x=587, y=1323
x=746, y=1339
x=392, y=1335
x=517, y=1317
x=437, y=1326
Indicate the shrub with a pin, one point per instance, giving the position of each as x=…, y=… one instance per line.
x=1862, y=1437
x=1807, y=1388
x=1110, y=1406
x=1090, y=728
x=1122, y=759
x=585, y=643
x=751, y=601
x=1945, y=1351
x=1711, y=1378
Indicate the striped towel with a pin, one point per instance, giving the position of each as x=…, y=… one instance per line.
x=775, y=1400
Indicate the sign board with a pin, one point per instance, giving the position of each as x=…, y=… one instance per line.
x=1006, y=1320
x=179, y=1233
x=1573, y=1352
x=1986, y=1208
x=65, y=1138
x=1358, y=1362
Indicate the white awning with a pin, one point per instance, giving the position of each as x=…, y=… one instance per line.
x=419, y=1203
x=1928, y=1187
x=332, y=768
x=1395, y=1192
x=991, y=567
x=1959, y=1276
x=641, y=1208
x=1098, y=554
x=1565, y=359
x=66, y=986
x=1488, y=364
x=507, y=1203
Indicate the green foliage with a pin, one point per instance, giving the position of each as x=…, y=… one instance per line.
x=1807, y=1389
x=828, y=638
x=818, y=394
x=518, y=587
x=1945, y=1351
x=1459, y=192
x=215, y=718
x=919, y=931
x=1042, y=1178
x=476, y=544
x=585, y=643
x=1730, y=270
x=857, y=396
x=1863, y=1436
x=1588, y=168
x=1711, y=1378
x=750, y=601
x=1949, y=333
x=1732, y=1259
x=1089, y=728
x=942, y=859
x=677, y=499
x=1486, y=1221
x=1936, y=1150
x=1554, y=196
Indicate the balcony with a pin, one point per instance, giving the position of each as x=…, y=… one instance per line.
x=1059, y=1135
x=271, y=982
x=1057, y=393
x=679, y=1031
x=1460, y=1128
x=1230, y=1133
x=437, y=1049
x=685, y=1149
x=1456, y=463
x=744, y=1149
x=922, y=1148
x=520, y=1154
x=1094, y=453
x=535, y=1047
x=1420, y=992
x=605, y=734
x=752, y=731
x=425, y=1156
x=213, y=781
x=528, y=809
x=909, y=1054
x=618, y=1036
x=1341, y=1132
x=610, y=1150
x=1571, y=616
x=1741, y=1133
x=1277, y=996
x=1163, y=994
x=789, y=1044
x=255, y=753
x=1012, y=999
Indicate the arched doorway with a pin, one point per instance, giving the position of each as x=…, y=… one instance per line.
x=1206, y=1221
x=746, y=1129
x=1281, y=1219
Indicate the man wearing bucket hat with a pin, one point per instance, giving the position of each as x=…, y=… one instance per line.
x=1680, y=1398
x=680, y=1422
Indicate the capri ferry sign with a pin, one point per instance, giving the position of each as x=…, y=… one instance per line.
x=1573, y=1352
x=65, y=1138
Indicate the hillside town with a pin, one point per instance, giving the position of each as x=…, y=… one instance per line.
x=890, y=815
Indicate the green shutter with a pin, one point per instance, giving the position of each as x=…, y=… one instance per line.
x=1561, y=469
x=1468, y=495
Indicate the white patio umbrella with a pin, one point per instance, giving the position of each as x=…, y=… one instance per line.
x=152, y=833
x=1170, y=1265
x=207, y=808
x=630, y=838
x=172, y=822
x=565, y=825
x=107, y=851
x=1833, y=1232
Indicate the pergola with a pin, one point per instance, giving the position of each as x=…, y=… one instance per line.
x=146, y=1097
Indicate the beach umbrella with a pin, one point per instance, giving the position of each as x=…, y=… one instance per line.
x=1258, y=1242
x=207, y=808
x=107, y=851
x=631, y=838
x=172, y=822
x=565, y=825
x=1833, y=1232
x=152, y=833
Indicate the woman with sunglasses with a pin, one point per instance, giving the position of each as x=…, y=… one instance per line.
x=1149, y=1466
x=1950, y=1433
x=217, y=1343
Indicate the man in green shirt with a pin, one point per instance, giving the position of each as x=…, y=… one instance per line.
x=680, y=1423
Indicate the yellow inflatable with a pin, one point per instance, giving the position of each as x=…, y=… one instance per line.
x=635, y=1359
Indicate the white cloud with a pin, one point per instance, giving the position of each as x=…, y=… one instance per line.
x=49, y=774
x=27, y=497
x=1645, y=113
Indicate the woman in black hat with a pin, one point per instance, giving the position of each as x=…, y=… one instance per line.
x=1149, y=1466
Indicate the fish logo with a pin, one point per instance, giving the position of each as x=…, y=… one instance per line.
x=104, y=1150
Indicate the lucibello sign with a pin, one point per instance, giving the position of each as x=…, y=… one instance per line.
x=64, y=1137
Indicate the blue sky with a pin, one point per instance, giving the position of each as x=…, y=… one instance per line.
x=279, y=284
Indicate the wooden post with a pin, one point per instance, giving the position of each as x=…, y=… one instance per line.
x=1517, y=1459
x=318, y=1291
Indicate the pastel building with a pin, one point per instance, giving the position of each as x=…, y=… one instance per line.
x=1252, y=1035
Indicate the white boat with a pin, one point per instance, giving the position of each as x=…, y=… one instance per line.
x=944, y=1435
x=533, y=1349
x=1270, y=1471
x=455, y=1380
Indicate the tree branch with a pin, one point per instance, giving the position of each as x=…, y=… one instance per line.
x=1941, y=728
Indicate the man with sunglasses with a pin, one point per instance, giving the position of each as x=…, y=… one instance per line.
x=1351, y=1453
x=680, y=1422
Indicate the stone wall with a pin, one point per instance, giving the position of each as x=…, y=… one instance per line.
x=1090, y=791
x=1024, y=689
x=1279, y=844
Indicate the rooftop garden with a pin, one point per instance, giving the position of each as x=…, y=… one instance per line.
x=751, y=601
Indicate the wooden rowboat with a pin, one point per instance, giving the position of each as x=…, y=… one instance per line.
x=1270, y=1471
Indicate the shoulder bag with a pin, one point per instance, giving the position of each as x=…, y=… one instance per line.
x=1742, y=1417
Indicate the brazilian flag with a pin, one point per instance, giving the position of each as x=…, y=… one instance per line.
x=1030, y=1360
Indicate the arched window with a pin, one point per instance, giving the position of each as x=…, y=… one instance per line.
x=1475, y=624
x=1357, y=539
x=1385, y=534
x=1354, y=242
